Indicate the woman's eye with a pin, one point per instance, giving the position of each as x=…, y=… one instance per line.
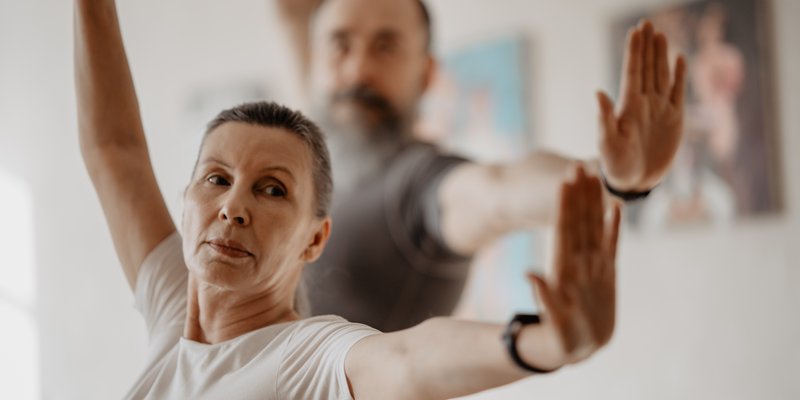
x=218, y=180
x=274, y=191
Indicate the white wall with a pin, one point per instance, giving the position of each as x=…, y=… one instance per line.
x=704, y=313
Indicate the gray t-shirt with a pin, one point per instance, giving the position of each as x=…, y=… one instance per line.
x=386, y=264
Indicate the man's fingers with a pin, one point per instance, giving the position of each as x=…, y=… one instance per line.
x=662, y=64
x=632, y=77
x=608, y=121
x=679, y=87
x=648, y=71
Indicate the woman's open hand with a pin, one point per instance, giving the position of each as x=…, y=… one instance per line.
x=579, y=294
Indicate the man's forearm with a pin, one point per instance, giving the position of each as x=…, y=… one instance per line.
x=528, y=190
x=481, y=203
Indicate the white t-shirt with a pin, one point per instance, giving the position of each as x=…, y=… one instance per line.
x=294, y=360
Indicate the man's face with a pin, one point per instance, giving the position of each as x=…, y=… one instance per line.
x=369, y=63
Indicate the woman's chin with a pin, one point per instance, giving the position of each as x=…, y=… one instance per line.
x=221, y=273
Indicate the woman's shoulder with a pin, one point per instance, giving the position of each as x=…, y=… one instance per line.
x=329, y=322
x=325, y=329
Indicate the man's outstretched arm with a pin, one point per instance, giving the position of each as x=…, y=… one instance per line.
x=638, y=143
x=112, y=139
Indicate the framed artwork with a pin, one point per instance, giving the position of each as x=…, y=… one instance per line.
x=477, y=107
x=727, y=167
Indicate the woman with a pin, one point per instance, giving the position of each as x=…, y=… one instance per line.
x=221, y=314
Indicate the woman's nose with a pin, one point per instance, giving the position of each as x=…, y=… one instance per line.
x=233, y=218
x=234, y=212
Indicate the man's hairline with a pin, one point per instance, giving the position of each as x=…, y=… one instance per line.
x=427, y=41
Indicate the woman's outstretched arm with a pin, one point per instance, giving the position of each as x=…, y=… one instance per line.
x=112, y=139
x=444, y=358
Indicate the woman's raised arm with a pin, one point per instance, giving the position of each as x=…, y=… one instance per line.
x=444, y=358
x=112, y=138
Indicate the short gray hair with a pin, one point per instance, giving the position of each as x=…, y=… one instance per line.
x=273, y=115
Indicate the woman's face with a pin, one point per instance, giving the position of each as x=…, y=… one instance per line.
x=248, y=220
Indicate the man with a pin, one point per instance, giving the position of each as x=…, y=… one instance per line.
x=407, y=218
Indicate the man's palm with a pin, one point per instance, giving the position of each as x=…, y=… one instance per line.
x=641, y=140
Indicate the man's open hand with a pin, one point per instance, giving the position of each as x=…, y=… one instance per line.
x=640, y=140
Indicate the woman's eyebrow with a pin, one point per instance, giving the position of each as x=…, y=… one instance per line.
x=213, y=160
x=279, y=168
x=271, y=168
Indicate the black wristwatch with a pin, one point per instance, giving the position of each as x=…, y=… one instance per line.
x=510, y=339
x=623, y=195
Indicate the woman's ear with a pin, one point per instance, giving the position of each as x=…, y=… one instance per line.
x=318, y=241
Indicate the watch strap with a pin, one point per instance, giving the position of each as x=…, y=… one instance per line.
x=510, y=339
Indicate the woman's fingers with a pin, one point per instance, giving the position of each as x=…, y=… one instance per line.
x=581, y=210
x=564, y=238
x=595, y=211
x=543, y=293
x=586, y=240
x=648, y=71
x=612, y=235
x=662, y=65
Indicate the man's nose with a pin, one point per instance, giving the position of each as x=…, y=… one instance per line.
x=358, y=68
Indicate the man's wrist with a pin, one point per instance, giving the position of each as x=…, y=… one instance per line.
x=622, y=191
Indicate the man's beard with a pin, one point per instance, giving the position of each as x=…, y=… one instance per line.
x=364, y=140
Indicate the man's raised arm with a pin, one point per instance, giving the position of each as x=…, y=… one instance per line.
x=296, y=18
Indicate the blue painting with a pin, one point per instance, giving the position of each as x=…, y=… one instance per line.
x=477, y=107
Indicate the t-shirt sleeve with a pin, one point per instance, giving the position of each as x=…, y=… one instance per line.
x=313, y=364
x=413, y=202
x=160, y=294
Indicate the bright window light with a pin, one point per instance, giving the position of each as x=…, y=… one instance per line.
x=19, y=355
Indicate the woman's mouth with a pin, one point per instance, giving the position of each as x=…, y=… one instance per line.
x=229, y=248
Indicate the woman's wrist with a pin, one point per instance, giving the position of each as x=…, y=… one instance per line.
x=539, y=346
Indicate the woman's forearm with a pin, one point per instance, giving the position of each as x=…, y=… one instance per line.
x=112, y=139
x=455, y=358
x=443, y=358
x=108, y=111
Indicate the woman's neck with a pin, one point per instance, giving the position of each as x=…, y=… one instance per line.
x=214, y=316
